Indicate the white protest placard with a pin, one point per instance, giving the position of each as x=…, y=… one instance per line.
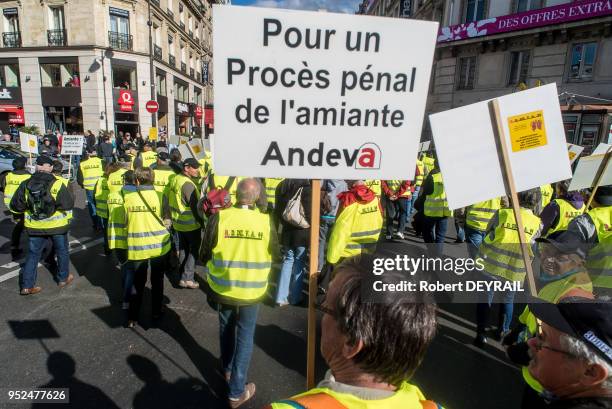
x=315, y=95
x=185, y=151
x=467, y=150
x=29, y=142
x=585, y=175
x=183, y=140
x=173, y=140
x=574, y=151
x=601, y=148
x=72, y=145
x=196, y=148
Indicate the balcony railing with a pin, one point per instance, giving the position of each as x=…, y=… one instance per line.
x=56, y=38
x=157, y=52
x=191, y=72
x=11, y=39
x=119, y=41
x=183, y=67
x=170, y=14
x=182, y=25
x=172, y=60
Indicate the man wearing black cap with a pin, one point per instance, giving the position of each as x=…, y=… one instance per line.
x=9, y=182
x=183, y=196
x=593, y=232
x=146, y=158
x=572, y=354
x=46, y=203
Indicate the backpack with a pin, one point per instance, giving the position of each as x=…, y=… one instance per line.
x=217, y=199
x=40, y=203
x=294, y=211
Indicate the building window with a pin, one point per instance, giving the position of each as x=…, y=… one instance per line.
x=11, y=20
x=124, y=77
x=467, y=71
x=169, y=5
x=181, y=16
x=60, y=75
x=9, y=75
x=56, y=18
x=197, y=98
x=160, y=84
x=519, y=67
x=181, y=92
x=526, y=5
x=474, y=10
x=119, y=21
x=583, y=59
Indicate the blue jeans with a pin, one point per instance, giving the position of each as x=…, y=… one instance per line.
x=460, y=231
x=325, y=229
x=415, y=195
x=434, y=231
x=408, y=210
x=236, y=333
x=91, y=206
x=291, y=276
x=474, y=238
x=36, y=244
x=396, y=209
x=483, y=311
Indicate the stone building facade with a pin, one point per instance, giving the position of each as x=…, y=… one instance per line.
x=85, y=64
x=488, y=48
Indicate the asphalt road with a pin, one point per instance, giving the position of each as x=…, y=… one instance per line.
x=75, y=338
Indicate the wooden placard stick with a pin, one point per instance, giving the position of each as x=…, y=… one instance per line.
x=600, y=174
x=498, y=130
x=312, y=282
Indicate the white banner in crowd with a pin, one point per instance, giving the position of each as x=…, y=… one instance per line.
x=29, y=143
x=573, y=152
x=601, y=148
x=72, y=145
x=316, y=95
x=467, y=150
x=586, y=172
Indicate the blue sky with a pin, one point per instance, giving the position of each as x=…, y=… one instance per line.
x=338, y=6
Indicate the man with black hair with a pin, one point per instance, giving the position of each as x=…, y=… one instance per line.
x=46, y=203
x=558, y=214
x=372, y=348
x=9, y=182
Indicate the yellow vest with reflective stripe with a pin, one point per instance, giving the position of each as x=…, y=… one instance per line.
x=221, y=181
x=435, y=203
x=92, y=170
x=13, y=181
x=599, y=260
x=206, y=166
x=182, y=217
x=132, y=159
x=396, y=185
x=241, y=261
x=148, y=158
x=59, y=219
x=567, y=213
x=429, y=164
x=552, y=293
x=480, y=214
x=271, y=185
x=65, y=182
x=115, y=180
x=406, y=397
x=547, y=193
x=101, y=195
x=117, y=227
x=146, y=237
x=162, y=179
x=375, y=186
x=500, y=250
x=355, y=231
x=418, y=179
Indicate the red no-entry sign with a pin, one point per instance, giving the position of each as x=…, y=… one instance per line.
x=152, y=106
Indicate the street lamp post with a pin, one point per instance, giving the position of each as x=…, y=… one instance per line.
x=151, y=67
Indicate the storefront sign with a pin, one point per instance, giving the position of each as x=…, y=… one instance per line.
x=205, y=72
x=17, y=118
x=198, y=112
x=182, y=108
x=5, y=94
x=72, y=144
x=126, y=100
x=209, y=117
x=10, y=11
x=405, y=8
x=563, y=13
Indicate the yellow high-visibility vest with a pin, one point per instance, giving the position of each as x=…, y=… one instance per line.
x=480, y=214
x=396, y=185
x=182, y=216
x=146, y=237
x=356, y=231
x=241, y=261
x=271, y=185
x=13, y=180
x=429, y=164
x=92, y=170
x=435, y=203
x=547, y=193
x=148, y=158
x=418, y=179
x=117, y=227
x=500, y=250
x=375, y=186
x=552, y=293
x=101, y=196
x=65, y=182
x=115, y=180
x=567, y=213
x=221, y=181
x=599, y=259
x=162, y=179
x=58, y=219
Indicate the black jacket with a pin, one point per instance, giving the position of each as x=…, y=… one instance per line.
x=581, y=403
x=64, y=202
x=105, y=150
x=291, y=235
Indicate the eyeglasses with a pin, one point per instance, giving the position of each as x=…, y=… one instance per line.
x=539, y=345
